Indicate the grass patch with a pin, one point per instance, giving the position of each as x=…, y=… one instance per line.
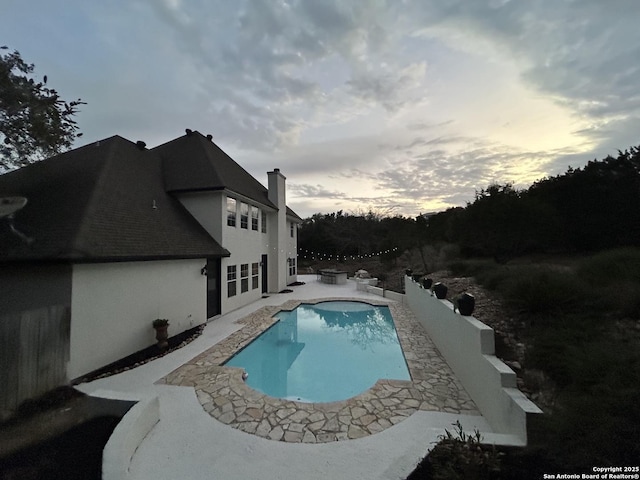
x=611, y=267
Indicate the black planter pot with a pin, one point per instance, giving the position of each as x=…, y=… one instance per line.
x=440, y=290
x=427, y=282
x=408, y=272
x=416, y=277
x=465, y=303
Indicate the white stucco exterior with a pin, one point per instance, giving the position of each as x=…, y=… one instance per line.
x=246, y=245
x=113, y=305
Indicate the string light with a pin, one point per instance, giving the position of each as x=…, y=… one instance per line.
x=304, y=253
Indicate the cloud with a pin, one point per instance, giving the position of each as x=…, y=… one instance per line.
x=392, y=89
x=314, y=191
x=410, y=105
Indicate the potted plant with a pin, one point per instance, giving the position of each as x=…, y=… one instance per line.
x=161, y=325
x=426, y=283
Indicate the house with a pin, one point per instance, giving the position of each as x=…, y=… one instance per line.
x=114, y=235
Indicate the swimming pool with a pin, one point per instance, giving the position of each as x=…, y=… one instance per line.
x=324, y=352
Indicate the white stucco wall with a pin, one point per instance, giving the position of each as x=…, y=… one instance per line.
x=113, y=305
x=246, y=246
x=468, y=346
x=209, y=209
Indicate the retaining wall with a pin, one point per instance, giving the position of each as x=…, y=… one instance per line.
x=468, y=346
x=128, y=434
x=368, y=285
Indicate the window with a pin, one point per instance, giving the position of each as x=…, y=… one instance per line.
x=244, y=277
x=254, y=275
x=264, y=221
x=231, y=212
x=231, y=280
x=292, y=228
x=244, y=215
x=292, y=266
x=254, y=218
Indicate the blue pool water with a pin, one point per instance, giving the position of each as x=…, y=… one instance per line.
x=324, y=352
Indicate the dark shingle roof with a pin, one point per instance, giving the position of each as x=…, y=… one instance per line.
x=101, y=202
x=194, y=163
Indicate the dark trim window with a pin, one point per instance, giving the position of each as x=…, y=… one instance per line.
x=292, y=266
x=244, y=277
x=244, y=215
x=254, y=218
x=292, y=229
x=264, y=221
x=231, y=211
x=254, y=275
x=231, y=280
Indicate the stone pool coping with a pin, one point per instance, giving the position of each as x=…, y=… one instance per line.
x=225, y=396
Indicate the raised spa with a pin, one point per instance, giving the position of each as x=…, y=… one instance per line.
x=324, y=352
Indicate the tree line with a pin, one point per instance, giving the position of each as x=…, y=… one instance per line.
x=585, y=209
x=35, y=122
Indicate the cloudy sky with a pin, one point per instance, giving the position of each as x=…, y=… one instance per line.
x=400, y=106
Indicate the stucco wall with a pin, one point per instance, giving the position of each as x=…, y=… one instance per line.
x=292, y=250
x=246, y=246
x=113, y=305
x=468, y=346
x=241, y=298
x=209, y=209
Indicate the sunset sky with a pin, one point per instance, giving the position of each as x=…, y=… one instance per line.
x=400, y=106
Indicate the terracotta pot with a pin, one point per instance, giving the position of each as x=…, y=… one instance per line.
x=162, y=335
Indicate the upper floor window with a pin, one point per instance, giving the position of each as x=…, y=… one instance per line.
x=254, y=218
x=244, y=215
x=231, y=211
x=264, y=221
x=292, y=229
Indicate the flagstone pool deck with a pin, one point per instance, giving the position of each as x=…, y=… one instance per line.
x=226, y=397
x=212, y=425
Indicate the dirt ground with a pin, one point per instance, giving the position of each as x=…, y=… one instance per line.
x=59, y=436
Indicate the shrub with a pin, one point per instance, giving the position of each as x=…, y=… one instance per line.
x=462, y=456
x=542, y=291
x=612, y=266
x=471, y=268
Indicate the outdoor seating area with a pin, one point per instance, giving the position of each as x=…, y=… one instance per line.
x=332, y=276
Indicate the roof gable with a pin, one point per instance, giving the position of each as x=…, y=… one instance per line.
x=101, y=202
x=194, y=163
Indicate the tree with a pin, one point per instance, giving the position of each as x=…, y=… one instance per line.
x=35, y=122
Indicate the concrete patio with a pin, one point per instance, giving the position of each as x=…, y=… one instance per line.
x=214, y=426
